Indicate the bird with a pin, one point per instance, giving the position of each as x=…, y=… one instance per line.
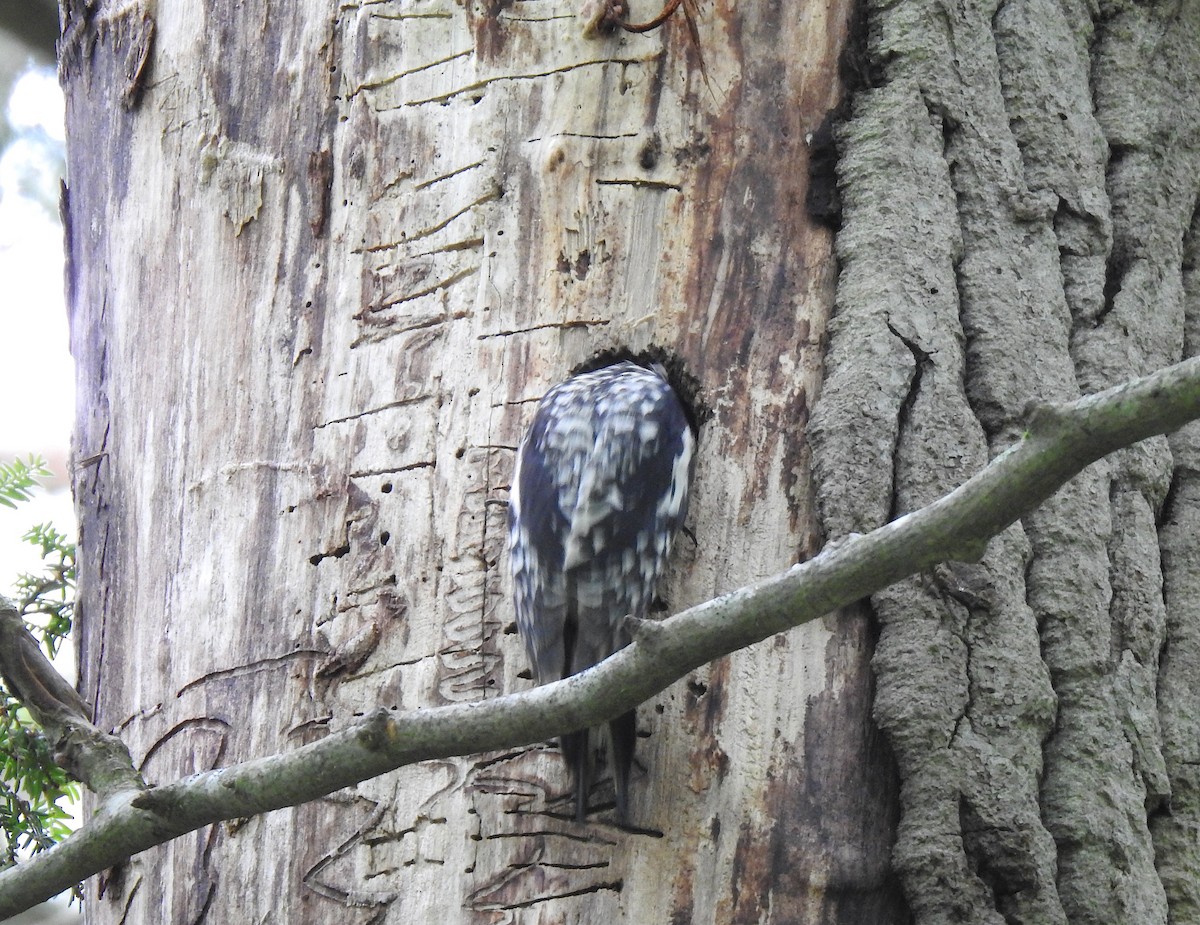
x=599, y=491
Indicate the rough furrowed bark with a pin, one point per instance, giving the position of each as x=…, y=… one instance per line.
x=1024, y=220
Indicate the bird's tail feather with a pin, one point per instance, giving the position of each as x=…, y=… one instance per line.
x=622, y=733
x=577, y=752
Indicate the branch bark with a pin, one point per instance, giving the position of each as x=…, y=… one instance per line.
x=1059, y=442
x=97, y=759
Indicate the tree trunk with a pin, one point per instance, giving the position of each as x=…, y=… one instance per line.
x=321, y=270
x=323, y=262
x=1020, y=195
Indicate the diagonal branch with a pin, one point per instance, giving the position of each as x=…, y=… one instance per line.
x=1060, y=441
x=98, y=759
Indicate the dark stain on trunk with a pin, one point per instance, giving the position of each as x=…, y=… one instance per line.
x=490, y=38
x=835, y=827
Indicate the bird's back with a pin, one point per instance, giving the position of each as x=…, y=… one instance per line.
x=599, y=491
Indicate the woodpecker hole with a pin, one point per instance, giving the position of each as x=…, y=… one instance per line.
x=650, y=153
x=686, y=386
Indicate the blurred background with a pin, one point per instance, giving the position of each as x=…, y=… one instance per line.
x=36, y=374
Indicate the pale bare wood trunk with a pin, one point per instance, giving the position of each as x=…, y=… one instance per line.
x=323, y=262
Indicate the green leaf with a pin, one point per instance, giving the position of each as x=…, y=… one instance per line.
x=31, y=784
x=17, y=479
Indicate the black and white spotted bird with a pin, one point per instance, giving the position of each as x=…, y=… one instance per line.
x=599, y=491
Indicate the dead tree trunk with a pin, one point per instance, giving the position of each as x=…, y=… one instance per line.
x=322, y=264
